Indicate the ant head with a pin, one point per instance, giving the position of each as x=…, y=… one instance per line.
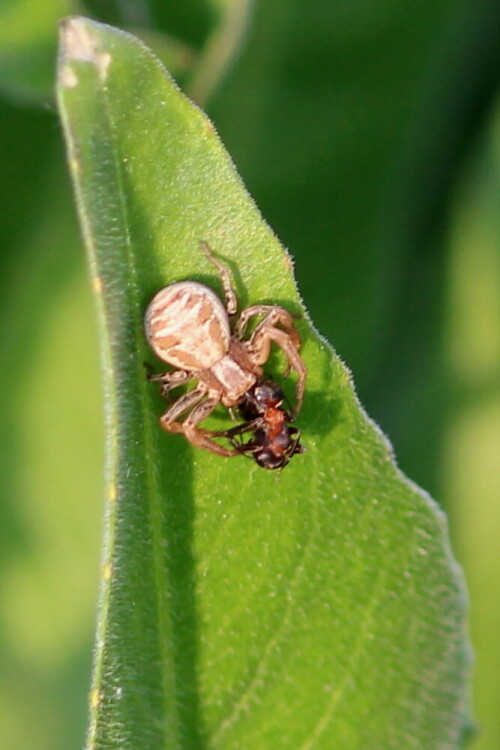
x=268, y=393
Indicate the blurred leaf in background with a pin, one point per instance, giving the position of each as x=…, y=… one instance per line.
x=27, y=48
x=470, y=471
x=349, y=124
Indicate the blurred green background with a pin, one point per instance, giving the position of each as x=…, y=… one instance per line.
x=368, y=133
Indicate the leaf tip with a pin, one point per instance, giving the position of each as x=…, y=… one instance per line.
x=78, y=43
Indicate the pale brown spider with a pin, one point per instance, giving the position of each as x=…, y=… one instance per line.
x=188, y=327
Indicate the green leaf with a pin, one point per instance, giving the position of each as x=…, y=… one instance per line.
x=320, y=608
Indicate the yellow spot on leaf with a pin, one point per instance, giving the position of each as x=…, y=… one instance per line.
x=103, y=60
x=94, y=699
x=97, y=285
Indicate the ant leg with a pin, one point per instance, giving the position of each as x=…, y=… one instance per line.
x=229, y=293
x=239, y=429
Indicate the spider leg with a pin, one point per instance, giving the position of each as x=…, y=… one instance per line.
x=259, y=345
x=273, y=314
x=203, y=438
x=196, y=436
x=184, y=403
x=169, y=380
x=229, y=293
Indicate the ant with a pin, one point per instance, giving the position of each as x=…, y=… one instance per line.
x=274, y=440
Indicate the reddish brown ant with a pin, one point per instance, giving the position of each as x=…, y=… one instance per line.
x=274, y=440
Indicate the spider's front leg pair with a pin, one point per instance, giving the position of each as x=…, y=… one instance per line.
x=259, y=344
x=266, y=333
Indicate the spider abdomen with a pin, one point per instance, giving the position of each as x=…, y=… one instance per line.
x=187, y=326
